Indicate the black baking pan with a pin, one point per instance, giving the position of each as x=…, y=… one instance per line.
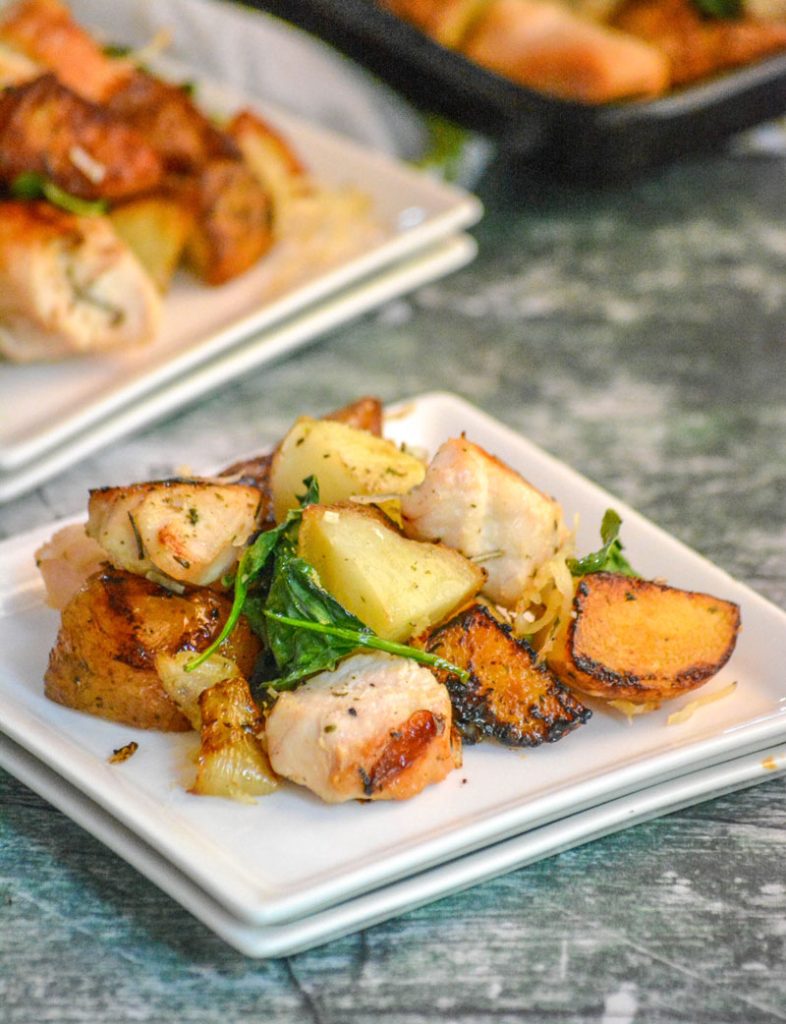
x=573, y=141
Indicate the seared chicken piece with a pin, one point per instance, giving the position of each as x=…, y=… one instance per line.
x=47, y=128
x=191, y=531
x=66, y=561
x=378, y=727
x=68, y=285
x=44, y=31
x=104, y=659
x=168, y=118
x=471, y=501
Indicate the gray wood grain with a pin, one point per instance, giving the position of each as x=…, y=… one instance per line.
x=639, y=335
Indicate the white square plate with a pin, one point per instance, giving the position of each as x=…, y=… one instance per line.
x=289, y=855
x=398, y=897
x=43, y=405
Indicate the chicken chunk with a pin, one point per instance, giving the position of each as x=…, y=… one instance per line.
x=66, y=561
x=68, y=285
x=44, y=31
x=471, y=501
x=50, y=130
x=191, y=531
x=378, y=727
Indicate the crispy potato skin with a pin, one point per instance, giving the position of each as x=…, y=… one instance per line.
x=641, y=641
x=509, y=696
x=104, y=659
x=42, y=122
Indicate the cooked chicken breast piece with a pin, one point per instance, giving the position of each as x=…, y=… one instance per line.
x=471, y=501
x=68, y=286
x=44, y=31
x=66, y=561
x=48, y=129
x=376, y=728
x=191, y=531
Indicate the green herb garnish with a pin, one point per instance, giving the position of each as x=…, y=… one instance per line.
x=610, y=557
x=32, y=185
x=720, y=8
x=305, y=629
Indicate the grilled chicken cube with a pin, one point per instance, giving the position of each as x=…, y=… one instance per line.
x=471, y=501
x=69, y=286
x=45, y=32
x=509, y=697
x=191, y=531
x=640, y=641
x=104, y=659
x=378, y=727
x=48, y=129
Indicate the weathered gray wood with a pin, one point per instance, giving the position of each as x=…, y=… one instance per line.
x=640, y=336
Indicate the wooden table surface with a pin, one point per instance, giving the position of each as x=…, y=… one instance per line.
x=639, y=335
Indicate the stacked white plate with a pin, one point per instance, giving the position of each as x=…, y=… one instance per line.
x=289, y=871
x=54, y=414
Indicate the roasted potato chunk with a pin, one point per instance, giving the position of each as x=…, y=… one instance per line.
x=111, y=631
x=509, y=697
x=640, y=641
x=346, y=462
x=155, y=228
x=397, y=586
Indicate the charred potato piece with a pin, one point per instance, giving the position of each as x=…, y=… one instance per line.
x=509, y=697
x=233, y=227
x=104, y=659
x=640, y=641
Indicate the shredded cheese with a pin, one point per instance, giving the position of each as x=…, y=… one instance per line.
x=678, y=717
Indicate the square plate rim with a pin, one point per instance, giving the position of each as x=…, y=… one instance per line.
x=515, y=817
x=396, y=898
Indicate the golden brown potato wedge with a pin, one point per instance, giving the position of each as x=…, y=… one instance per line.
x=395, y=585
x=363, y=414
x=509, y=697
x=640, y=641
x=155, y=228
x=104, y=659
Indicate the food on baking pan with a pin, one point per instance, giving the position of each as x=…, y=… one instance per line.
x=68, y=285
x=641, y=641
x=601, y=51
x=353, y=651
x=160, y=182
x=104, y=660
